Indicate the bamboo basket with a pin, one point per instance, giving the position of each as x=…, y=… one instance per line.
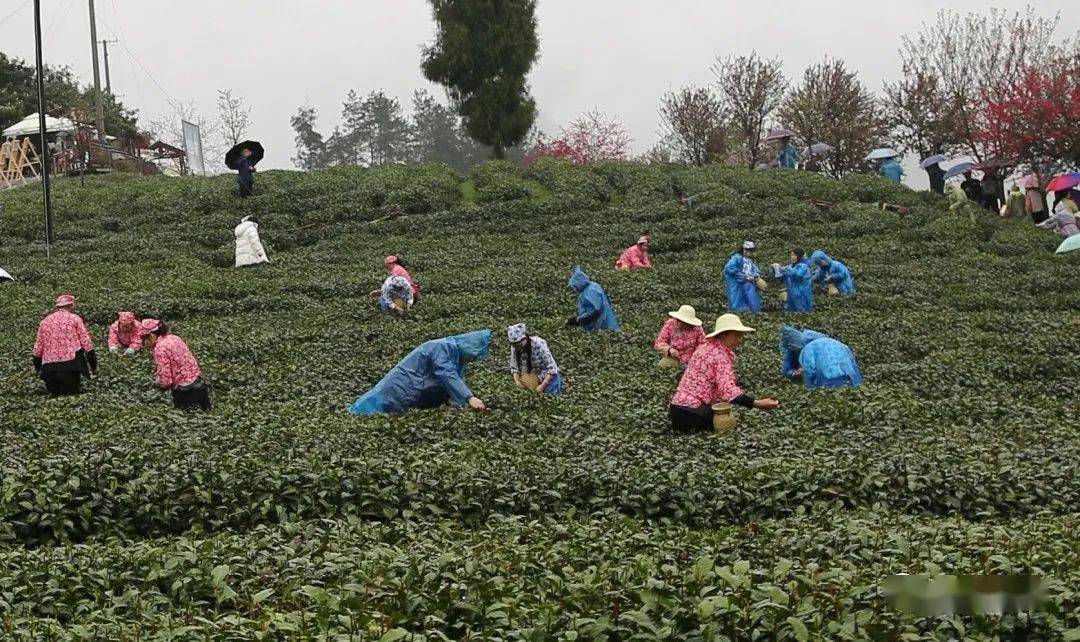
x=723, y=419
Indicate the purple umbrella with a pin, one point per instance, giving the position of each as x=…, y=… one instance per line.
x=777, y=134
x=1064, y=182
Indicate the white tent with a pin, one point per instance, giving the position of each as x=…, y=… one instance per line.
x=29, y=125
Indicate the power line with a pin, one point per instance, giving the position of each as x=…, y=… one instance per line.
x=168, y=98
x=12, y=14
x=54, y=27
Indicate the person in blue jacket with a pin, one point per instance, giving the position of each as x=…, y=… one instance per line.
x=740, y=276
x=594, y=309
x=431, y=375
x=892, y=170
x=796, y=279
x=820, y=361
x=832, y=272
x=787, y=157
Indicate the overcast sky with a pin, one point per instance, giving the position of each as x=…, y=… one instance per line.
x=618, y=56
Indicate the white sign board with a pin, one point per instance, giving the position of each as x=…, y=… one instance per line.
x=193, y=148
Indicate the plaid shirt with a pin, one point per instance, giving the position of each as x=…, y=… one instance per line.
x=543, y=363
x=709, y=377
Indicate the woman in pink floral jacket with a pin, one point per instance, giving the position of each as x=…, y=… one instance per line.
x=177, y=369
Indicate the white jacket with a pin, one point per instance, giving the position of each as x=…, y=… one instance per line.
x=249, y=249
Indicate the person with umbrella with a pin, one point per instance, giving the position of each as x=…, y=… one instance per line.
x=1034, y=198
x=787, y=157
x=972, y=188
x=933, y=168
x=243, y=158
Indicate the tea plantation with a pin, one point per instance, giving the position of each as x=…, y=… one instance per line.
x=280, y=516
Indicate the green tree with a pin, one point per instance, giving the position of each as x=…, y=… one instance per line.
x=438, y=135
x=482, y=53
x=374, y=131
x=310, y=146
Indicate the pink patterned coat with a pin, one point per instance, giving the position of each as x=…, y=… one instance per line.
x=683, y=338
x=60, y=336
x=709, y=377
x=632, y=258
x=176, y=365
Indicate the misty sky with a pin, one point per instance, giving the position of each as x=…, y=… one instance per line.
x=618, y=56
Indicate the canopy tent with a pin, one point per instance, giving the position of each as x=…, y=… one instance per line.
x=29, y=126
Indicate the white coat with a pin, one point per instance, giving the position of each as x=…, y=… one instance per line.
x=249, y=249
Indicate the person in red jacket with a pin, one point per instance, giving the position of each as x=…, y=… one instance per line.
x=63, y=349
x=636, y=256
x=125, y=334
x=177, y=369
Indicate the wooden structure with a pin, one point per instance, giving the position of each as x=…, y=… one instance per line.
x=19, y=163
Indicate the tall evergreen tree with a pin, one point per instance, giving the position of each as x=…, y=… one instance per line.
x=482, y=54
x=375, y=131
x=438, y=135
x=310, y=146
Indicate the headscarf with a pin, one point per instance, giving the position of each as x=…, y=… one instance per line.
x=65, y=300
x=390, y=260
x=579, y=280
x=149, y=325
x=791, y=339
x=473, y=345
x=517, y=332
x=643, y=240
x=125, y=317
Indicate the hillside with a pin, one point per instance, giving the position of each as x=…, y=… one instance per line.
x=279, y=514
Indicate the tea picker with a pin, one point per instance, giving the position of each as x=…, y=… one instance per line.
x=832, y=273
x=125, y=334
x=679, y=337
x=741, y=275
x=594, y=309
x=430, y=376
x=799, y=295
x=636, y=256
x=63, y=349
x=709, y=384
x=531, y=362
x=393, y=295
x=249, y=247
x=819, y=360
x=177, y=370
x=243, y=157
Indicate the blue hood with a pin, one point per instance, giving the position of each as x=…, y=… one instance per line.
x=820, y=258
x=791, y=339
x=473, y=345
x=579, y=280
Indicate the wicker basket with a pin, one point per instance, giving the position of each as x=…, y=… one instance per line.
x=723, y=419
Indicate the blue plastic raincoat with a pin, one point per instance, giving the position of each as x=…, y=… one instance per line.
x=837, y=273
x=594, y=309
x=787, y=156
x=431, y=375
x=739, y=277
x=826, y=363
x=796, y=279
x=892, y=170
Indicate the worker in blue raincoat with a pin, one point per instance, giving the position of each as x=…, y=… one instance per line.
x=796, y=279
x=740, y=276
x=820, y=361
x=892, y=170
x=594, y=309
x=430, y=376
x=832, y=272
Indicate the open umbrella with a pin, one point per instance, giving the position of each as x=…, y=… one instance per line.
x=777, y=134
x=1064, y=182
x=818, y=149
x=958, y=169
x=995, y=163
x=4, y=276
x=1030, y=181
x=234, y=154
x=1069, y=244
x=882, y=153
x=932, y=160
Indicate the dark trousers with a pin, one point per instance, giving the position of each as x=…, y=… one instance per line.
x=685, y=419
x=247, y=188
x=63, y=382
x=194, y=396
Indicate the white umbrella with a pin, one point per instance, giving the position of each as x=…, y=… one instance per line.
x=882, y=153
x=818, y=149
x=4, y=276
x=30, y=125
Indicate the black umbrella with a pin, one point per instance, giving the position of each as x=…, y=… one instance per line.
x=257, y=153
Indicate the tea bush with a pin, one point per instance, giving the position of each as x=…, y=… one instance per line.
x=280, y=516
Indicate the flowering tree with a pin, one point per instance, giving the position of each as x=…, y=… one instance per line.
x=590, y=138
x=1037, y=118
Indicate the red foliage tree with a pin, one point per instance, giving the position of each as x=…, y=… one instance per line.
x=1037, y=118
x=590, y=138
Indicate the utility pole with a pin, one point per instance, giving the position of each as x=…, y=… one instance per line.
x=97, y=76
x=46, y=165
x=108, y=82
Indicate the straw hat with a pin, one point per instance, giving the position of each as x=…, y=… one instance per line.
x=687, y=314
x=64, y=300
x=728, y=323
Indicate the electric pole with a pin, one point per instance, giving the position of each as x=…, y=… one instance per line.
x=108, y=82
x=97, y=76
x=43, y=149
